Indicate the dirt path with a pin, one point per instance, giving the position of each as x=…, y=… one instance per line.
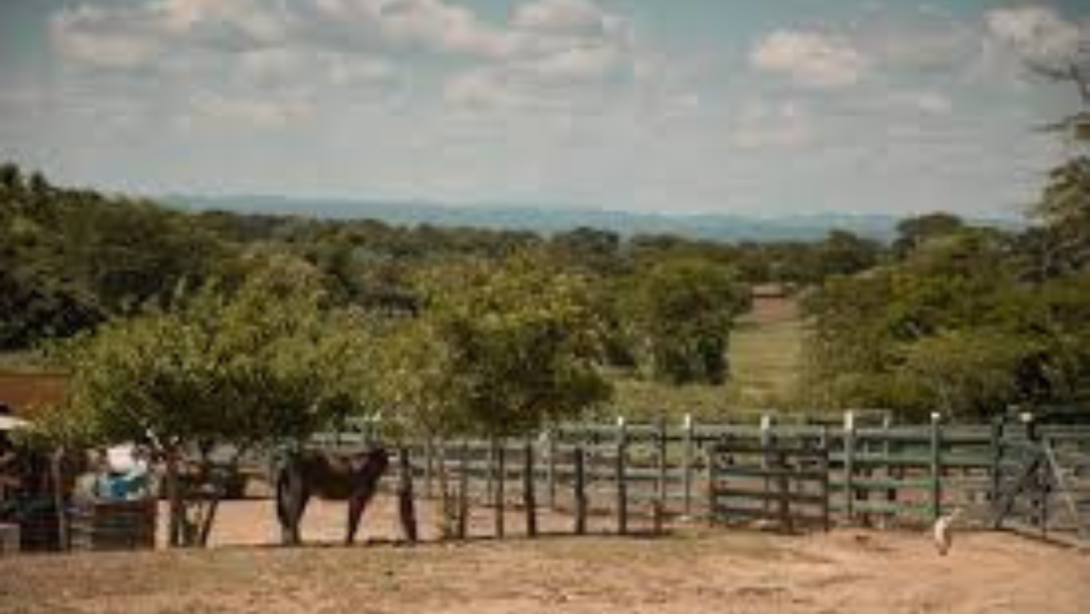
x=690, y=571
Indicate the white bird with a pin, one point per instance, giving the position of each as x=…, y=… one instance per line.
x=943, y=531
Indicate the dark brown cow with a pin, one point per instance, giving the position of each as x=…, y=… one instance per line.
x=327, y=475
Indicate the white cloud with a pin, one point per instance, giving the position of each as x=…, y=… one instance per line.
x=810, y=59
x=442, y=27
x=934, y=103
x=1035, y=32
x=260, y=113
x=561, y=15
x=272, y=43
x=297, y=68
x=927, y=42
x=87, y=35
x=562, y=53
x=133, y=37
x=577, y=62
x=482, y=89
x=438, y=26
x=269, y=67
x=346, y=70
x=257, y=21
x=898, y=102
x=760, y=125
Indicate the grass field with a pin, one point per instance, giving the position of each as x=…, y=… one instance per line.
x=765, y=356
x=766, y=349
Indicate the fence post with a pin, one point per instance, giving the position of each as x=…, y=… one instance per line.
x=766, y=442
x=405, y=505
x=849, y=465
x=687, y=464
x=429, y=467
x=622, y=491
x=551, y=467
x=997, y=464
x=489, y=471
x=709, y=477
x=936, y=466
x=662, y=485
x=891, y=492
x=1046, y=486
x=498, y=485
x=825, y=477
x=463, y=491
x=1031, y=425
x=528, y=499
x=580, y=494
x=784, y=491
x=1039, y=500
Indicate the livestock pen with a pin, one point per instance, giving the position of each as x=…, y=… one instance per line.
x=864, y=470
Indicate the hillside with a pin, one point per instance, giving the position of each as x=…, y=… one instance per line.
x=549, y=219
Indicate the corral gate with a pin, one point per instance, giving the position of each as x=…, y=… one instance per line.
x=784, y=482
x=1042, y=484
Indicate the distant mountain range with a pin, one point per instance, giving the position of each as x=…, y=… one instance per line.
x=711, y=226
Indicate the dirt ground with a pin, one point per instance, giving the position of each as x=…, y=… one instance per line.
x=689, y=570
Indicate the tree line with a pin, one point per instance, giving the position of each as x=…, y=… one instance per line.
x=964, y=320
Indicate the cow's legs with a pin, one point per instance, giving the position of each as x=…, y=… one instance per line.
x=297, y=516
x=292, y=496
x=356, y=505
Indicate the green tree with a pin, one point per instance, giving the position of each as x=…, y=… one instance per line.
x=914, y=232
x=1062, y=238
x=844, y=253
x=953, y=326
x=685, y=308
x=968, y=373
x=11, y=178
x=253, y=367
x=589, y=249
x=513, y=346
x=415, y=377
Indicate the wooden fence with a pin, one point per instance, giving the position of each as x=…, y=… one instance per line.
x=864, y=470
x=784, y=483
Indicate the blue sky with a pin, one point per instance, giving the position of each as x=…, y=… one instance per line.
x=792, y=106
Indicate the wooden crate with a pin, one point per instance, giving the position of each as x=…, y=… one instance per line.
x=114, y=525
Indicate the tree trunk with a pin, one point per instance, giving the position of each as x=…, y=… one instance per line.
x=175, y=537
x=406, y=509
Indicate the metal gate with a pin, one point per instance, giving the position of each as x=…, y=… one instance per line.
x=1041, y=485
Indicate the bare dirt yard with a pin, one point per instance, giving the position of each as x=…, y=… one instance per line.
x=690, y=570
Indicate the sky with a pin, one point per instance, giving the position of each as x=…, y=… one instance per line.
x=727, y=106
